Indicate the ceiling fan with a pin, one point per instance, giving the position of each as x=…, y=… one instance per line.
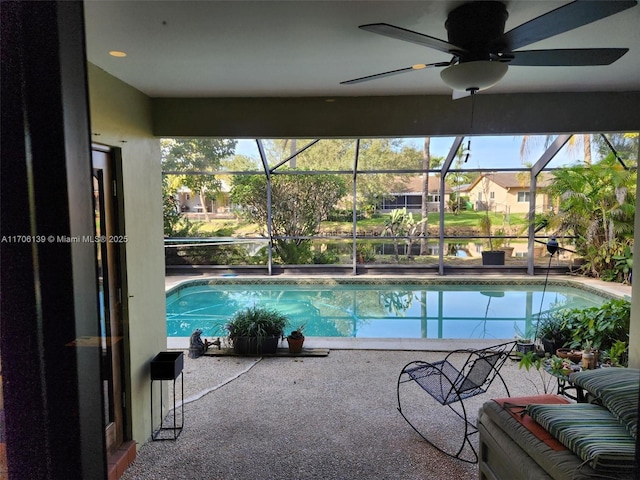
x=481, y=50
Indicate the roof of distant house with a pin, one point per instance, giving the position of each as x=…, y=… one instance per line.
x=413, y=186
x=512, y=180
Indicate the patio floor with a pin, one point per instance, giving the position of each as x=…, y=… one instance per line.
x=330, y=417
x=324, y=418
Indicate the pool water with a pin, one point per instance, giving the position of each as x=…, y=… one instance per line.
x=375, y=311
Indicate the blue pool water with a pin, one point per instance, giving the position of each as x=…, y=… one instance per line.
x=375, y=310
x=409, y=310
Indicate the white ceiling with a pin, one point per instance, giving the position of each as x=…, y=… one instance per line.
x=306, y=48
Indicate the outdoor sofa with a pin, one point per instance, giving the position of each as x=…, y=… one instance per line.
x=546, y=437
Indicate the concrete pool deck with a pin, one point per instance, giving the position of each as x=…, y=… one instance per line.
x=416, y=344
x=315, y=418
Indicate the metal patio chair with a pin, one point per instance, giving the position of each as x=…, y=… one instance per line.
x=450, y=386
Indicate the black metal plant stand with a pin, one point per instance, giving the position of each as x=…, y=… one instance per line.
x=168, y=366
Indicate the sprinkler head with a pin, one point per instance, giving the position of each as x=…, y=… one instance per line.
x=552, y=245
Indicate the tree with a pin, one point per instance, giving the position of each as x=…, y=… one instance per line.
x=197, y=155
x=170, y=208
x=575, y=142
x=339, y=154
x=597, y=206
x=299, y=204
x=175, y=223
x=625, y=144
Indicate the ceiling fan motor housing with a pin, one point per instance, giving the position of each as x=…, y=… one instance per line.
x=473, y=26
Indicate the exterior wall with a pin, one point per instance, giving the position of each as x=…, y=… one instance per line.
x=121, y=117
x=497, y=204
x=542, y=202
x=506, y=199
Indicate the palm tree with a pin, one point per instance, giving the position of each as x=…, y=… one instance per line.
x=573, y=145
x=597, y=205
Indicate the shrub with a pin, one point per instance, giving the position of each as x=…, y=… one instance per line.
x=602, y=326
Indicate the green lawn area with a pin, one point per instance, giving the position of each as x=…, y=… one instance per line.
x=465, y=219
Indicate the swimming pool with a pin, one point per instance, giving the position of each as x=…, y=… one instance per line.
x=388, y=309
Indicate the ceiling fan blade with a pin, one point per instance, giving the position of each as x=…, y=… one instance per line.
x=571, y=57
x=411, y=36
x=560, y=20
x=419, y=66
x=458, y=94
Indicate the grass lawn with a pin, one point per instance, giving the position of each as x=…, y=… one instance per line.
x=465, y=219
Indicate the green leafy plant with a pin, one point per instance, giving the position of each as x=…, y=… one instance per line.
x=484, y=223
x=297, y=333
x=499, y=241
x=365, y=252
x=327, y=257
x=257, y=322
x=543, y=365
x=526, y=336
x=624, y=264
x=617, y=353
x=550, y=326
x=601, y=325
x=531, y=360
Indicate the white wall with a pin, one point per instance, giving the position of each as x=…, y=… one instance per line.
x=121, y=117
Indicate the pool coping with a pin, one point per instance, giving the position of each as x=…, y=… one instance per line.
x=606, y=289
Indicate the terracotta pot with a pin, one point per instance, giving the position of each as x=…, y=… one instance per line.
x=295, y=344
x=573, y=355
x=508, y=251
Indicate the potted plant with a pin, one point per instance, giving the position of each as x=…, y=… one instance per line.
x=551, y=333
x=295, y=340
x=503, y=243
x=491, y=256
x=525, y=341
x=588, y=357
x=256, y=330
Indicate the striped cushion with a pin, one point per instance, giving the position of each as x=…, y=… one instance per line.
x=618, y=389
x=591, y=432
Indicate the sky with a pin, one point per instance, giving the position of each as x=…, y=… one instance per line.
x=486, y=152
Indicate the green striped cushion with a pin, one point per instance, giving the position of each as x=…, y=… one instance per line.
x=618, y=389
x=591, y=432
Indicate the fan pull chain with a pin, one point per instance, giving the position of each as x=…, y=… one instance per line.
x=472, y=91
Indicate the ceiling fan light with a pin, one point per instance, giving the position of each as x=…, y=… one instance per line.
x=473, y=76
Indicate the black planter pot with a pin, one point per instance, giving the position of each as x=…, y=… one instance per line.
x=550, y=346
x=167, y=365
x=255, y=346
x=493, y=257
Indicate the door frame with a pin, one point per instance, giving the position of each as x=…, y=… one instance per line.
x=115, y=155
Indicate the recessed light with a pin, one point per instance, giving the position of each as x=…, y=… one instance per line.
x=116, y=53
x=418, y=66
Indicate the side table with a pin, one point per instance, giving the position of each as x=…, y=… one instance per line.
x=565, y=386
